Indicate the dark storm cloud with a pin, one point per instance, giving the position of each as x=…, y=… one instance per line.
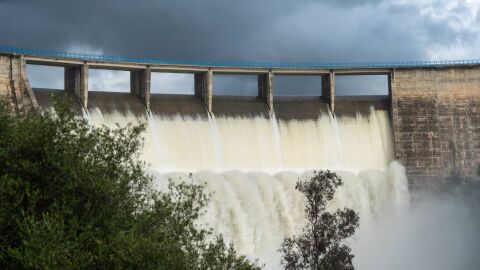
x=172, y=29
x=349, y=3
x=215, y=29
x=249, y=30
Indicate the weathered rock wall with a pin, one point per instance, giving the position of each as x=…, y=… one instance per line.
x=436, y=121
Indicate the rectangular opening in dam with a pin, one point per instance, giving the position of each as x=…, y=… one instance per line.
x=361, y=85
x=109, y=93
x=47, y=82
x=298, y=96
x=297, y=85
x=356, y=94
x=172, y=83
x=103, y=80
x=173, y=94
x=237, y=95
x=235, y=85
x=46, y=77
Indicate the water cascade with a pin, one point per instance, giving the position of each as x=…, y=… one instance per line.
x=251, y=164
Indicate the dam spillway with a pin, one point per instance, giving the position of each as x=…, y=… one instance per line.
x=433, y=105
x=251, y=150
x=361, y=139
x=250, y=159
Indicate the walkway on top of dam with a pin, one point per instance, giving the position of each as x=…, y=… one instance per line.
x=50, y=57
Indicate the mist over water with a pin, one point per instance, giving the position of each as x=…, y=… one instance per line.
x=251, y=165
x=437, y=231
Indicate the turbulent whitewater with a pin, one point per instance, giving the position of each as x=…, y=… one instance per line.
x=192, y=143
x=251, y=164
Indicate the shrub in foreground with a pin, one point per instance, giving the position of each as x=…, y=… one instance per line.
x=77, y=197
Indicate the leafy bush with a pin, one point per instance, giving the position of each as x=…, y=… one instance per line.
x=77, y=197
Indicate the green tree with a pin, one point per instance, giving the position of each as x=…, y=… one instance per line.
x=321, y=246
x=77, y=197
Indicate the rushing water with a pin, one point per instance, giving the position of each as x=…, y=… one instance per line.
x=255, y=210
x=251, y=161
x=251, y=165
x=192, y=143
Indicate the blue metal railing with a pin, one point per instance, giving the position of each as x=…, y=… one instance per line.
x=112, y=58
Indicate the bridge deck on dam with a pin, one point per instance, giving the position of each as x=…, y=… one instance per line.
x=101, y=61
x=434, y=105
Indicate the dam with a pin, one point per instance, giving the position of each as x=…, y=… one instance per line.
x=250, y=151
x=433, y=108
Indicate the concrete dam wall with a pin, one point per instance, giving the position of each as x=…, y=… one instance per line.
x=436, y=120
x=433, y=110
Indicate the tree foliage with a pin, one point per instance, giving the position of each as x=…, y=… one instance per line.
x=77, y=197
x=321, y=246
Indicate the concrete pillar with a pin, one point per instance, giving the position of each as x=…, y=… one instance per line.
x=69, y=78
x=265, y=89
x=328, y=89
x=394, y=114
x=83, y=86
x=14, y=86
x=26, y=84
x=140, y=83
x=147, y=87
x=203, y=88
x=15, y=83
x=76, y=81
x=134, y=82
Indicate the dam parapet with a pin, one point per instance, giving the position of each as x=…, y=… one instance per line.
x=434, y=106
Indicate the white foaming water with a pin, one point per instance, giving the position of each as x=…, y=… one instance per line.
x=186, y=143
x=251, y=165
x=256, y=210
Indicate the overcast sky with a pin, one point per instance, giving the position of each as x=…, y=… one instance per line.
x=247, y=30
